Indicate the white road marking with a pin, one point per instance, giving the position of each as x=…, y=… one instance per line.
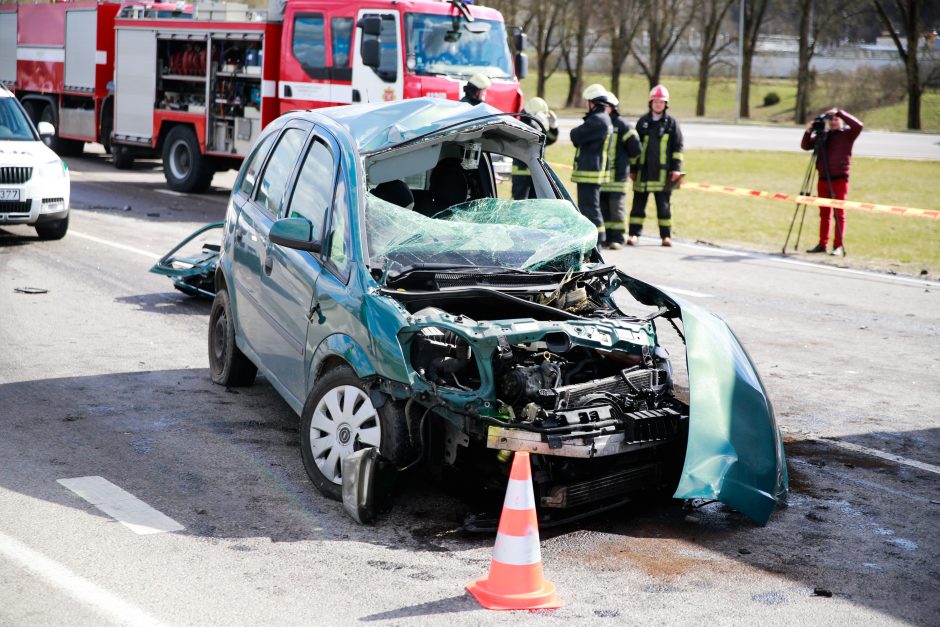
x=682, y=292
x=123, y=506
x=130, y=249
x=171, y=192
x=105, y=603
x=891, y=457
x=808, y=264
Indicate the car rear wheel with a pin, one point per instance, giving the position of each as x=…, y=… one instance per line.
x=53, y=230
x=184, y=167
x=340, y=418
x=228, y=366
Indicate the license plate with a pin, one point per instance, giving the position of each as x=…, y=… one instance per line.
x=9, y=194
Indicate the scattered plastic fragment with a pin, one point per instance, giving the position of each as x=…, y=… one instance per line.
x=821, y=592
x=30, y=290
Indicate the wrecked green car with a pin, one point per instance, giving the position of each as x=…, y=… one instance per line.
x=371, y=272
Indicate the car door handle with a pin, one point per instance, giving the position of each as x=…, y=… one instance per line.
x=318, y=312
x=356, y=97
x=268, y=264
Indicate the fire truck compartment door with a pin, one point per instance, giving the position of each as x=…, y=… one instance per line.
x=81, y=42
x=386, y=82
x=135, y=83
x=8, y=46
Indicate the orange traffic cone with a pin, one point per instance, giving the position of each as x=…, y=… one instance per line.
x=515, y=581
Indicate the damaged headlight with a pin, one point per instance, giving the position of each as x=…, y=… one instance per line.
x=444, y=358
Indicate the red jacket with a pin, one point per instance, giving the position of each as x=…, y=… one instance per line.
x=838, y=146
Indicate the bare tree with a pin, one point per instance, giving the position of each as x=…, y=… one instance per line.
x=578, y=42
x=754, y=11
x=909, y=12
x=711, y=19
x=544, y=22
x=665, y=22
x=621, y=21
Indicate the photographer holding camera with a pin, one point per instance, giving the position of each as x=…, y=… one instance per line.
x=831, y=135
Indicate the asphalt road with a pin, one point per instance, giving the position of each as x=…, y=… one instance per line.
x=106, y=375
x=703, y=135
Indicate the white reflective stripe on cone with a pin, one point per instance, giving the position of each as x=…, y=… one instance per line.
x=519, y=495
x=517, y=551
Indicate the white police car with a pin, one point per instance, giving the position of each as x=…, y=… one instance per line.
x=34, y=182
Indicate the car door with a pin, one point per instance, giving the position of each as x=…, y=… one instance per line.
x=385, y=82
x=290, y=278
x=338, y=299
x=250, y=259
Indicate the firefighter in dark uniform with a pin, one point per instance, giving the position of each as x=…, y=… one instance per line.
x=624, y=149
x=591, y=141
x=522, y=187
x=659, y=166
x=474, y=91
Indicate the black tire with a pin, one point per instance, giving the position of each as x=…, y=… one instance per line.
x=393, y=442
x=53, y=230
x=228, y=366
x=62, y=147
x=184, y=167
x=107, y=125
x=122, y=157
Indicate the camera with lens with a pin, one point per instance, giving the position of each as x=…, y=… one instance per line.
x=819, y=124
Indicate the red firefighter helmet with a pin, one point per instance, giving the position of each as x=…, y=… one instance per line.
x=659, y=93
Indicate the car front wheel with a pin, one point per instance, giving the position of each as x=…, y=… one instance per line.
x=228, y=366
x=340, y=418
x=53, y=230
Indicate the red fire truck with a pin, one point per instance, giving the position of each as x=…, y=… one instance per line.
x=196, y=86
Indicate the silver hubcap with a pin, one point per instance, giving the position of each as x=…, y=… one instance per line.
x=180, y=159
x=343, y=422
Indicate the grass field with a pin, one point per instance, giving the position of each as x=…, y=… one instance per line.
x=720, y=100
x=887, y=242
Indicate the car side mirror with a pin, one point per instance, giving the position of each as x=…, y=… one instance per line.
x=296, y=233
x=522, y=65
x=45, y=129
x=369, y=50
x=520, y=40
x=371, y=25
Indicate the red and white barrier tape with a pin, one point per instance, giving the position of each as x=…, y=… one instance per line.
x=804, y=200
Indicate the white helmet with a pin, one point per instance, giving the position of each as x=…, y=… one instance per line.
x=534, y=106
x=612, y=100
x=480, y=81
x=595, y=91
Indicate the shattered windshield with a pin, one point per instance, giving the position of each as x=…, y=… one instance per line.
x=436, y=47
x=516, y=234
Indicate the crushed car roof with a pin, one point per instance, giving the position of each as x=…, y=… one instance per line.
x=375, y=127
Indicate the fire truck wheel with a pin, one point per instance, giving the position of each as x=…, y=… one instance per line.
x=62, y=147
x=185, y=168
x=122, y=157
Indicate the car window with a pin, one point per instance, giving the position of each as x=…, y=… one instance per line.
x=339, y=241
x=13, y=123
x=278, y=170
x=249, y=173
x=313, y=191
x=341, y=34
x=388, y=48
x=309, y=44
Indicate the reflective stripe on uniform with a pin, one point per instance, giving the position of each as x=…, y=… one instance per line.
x=585, y=176
x=636, y=220
x=517, y=171
x=667, y=222
x=615, y=186
x=615, y=226
x=600, y=228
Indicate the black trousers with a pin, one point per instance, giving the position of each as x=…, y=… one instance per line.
x=522, y=187
x=614, y=210
x=589, y=203
x=663, y=213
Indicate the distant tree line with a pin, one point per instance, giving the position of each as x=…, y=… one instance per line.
x=562, y=33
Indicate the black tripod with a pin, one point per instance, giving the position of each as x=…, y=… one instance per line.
x=808, y=187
